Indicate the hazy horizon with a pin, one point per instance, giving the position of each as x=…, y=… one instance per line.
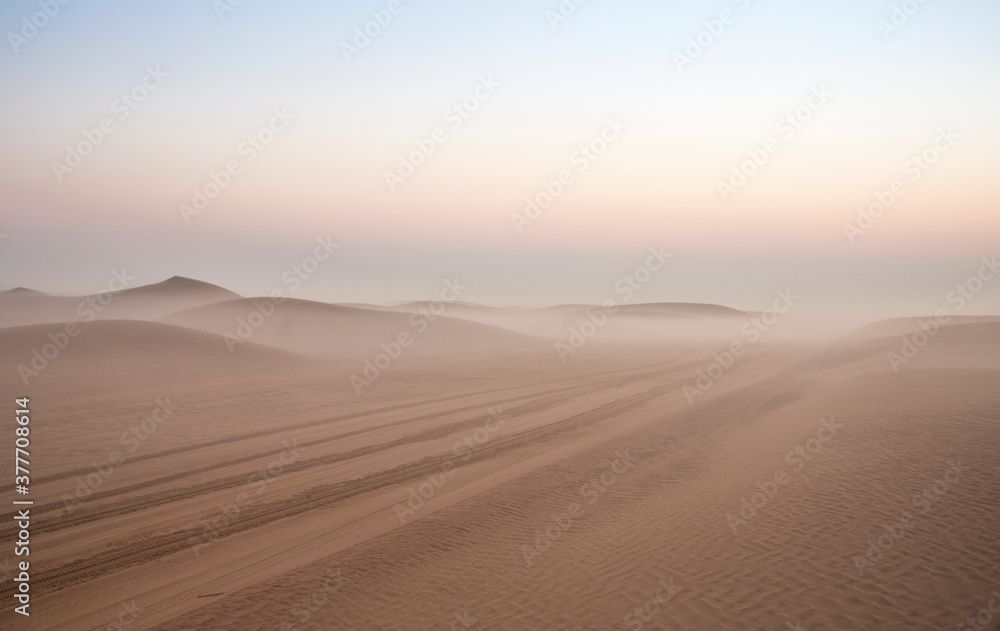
x=533, y=314
x=864, y=100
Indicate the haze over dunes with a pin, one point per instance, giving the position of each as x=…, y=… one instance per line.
x=481, y=477
x=532, y=315
x=149, y=302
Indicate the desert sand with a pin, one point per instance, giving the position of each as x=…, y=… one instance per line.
x=482, y=480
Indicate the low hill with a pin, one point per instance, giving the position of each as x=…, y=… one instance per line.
x=336, y=331
x=120, y=353
x=23, y=307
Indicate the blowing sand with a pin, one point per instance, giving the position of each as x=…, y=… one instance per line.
x=479, y=482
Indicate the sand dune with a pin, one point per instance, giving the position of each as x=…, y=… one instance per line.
x=677, y=309
x=905, y=326
x=335, y=331
x=120, y=353
x=643, y=323
x=311, y=328
x=20, y=307
x=686, y=316
x=481, y=483
x=661, y=528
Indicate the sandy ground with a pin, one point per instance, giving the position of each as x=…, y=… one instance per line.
x=479, y=482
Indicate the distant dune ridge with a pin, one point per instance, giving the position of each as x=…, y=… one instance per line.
x=20, y=306
x=331, y=331
x=334, y=331
x=211, y=322
x=904, y=326
x=208, y=461
x=211, y=327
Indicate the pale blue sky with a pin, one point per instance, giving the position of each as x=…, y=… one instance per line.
x=325, y=174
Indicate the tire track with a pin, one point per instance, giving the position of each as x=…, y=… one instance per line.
x=80, y=516
x=234, y=438
x=158, y=546
x=135, y=504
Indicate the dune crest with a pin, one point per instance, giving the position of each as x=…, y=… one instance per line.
x=198, y=460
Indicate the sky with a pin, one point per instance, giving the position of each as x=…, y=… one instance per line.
x=220, y=139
